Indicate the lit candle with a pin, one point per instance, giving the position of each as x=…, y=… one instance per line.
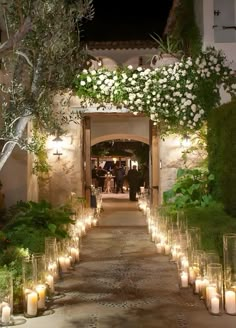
x=230, y=302
x=67, y=262
x=215, y=305
x=41, y=290
x=50, y=282
x=62, y=263
x=73, y=253
x=159, y=247
x=198, y=284
x=167, y=249
x=32, y=303
x=6, y=314
x=210, y=292
x=184, y=279
x=192, y=275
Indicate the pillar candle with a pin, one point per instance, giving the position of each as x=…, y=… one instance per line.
x=230, y=302
x=215, y=305
x=41, y=290
x=6, y=314
x=62, y=263
x=50, y=282
x=210, y=292
x=32, y=303
x=184, y=279
x=198, y=284
x=167, y=249
x=159, y=247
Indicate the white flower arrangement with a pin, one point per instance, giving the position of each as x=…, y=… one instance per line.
x=181, y=94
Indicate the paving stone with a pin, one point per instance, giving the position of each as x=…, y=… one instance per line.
x=122, y=282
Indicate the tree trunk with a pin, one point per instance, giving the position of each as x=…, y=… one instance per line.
x=21, y=125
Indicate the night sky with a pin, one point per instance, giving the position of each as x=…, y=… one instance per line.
x=126, y=20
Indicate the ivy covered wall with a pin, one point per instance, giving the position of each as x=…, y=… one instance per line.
x=222, y=154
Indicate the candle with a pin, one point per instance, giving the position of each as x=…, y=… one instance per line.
x=62, y=262
x=198, y=284
x=184, y=279
x=230, y=302
x=210, y=292
x=50, y=282
x=192, y=275
x=41, y=290
x=215, y=305
x=159, y=247
x=32, y=303
x=6, y=314
x=67, y=262
x=167, y=249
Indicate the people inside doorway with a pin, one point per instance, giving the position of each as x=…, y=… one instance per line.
x=120, y=174
x=134, y=182
x=101, y=177
x=94, y=176
x=145, y=176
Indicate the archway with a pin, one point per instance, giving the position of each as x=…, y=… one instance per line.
x=101, y=127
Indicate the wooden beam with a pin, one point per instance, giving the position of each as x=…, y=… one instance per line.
x=154, y=165
x=87, y=160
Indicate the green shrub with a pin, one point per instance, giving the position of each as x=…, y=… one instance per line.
x=221, y=142
x=30, y=222
x=213, y=222
x=190, y=189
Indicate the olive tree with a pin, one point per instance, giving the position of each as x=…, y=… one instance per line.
x=40, y=56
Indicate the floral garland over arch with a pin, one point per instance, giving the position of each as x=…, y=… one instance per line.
x=177, y=97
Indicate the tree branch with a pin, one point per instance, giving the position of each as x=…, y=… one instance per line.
x=25, y=56
x=11, y=43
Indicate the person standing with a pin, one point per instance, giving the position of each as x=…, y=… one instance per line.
x=134, y=182
x=120, y=174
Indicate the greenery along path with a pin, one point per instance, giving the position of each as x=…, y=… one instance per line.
x=122, y=282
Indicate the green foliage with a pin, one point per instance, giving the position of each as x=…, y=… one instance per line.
x=11, y=261
x=176, y=97
x=168, y=45
x=38, y=146
x=29, y=223
x=184, y=28
x=221, y=141
x=190, y=189
x=213, y=222
x=198, y=149
x=43, y=55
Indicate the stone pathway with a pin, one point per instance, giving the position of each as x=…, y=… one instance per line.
x=121, y=282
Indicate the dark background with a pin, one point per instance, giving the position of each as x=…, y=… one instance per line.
x=126, y=20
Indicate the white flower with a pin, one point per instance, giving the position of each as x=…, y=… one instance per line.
x=89, y=79
x=82, y=83
x=193, y=108
x=130, y=67
x=85, y=71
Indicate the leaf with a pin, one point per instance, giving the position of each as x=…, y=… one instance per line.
x=52, y=227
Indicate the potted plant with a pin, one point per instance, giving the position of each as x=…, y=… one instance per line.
x=169, y=51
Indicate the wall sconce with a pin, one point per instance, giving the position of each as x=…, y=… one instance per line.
x=57, y=146
x=185, y=141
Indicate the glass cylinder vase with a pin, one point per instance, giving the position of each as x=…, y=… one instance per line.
x=214, y=290
x=229, y=255
x=6, y=298
x=39, y=267
x=30, y=295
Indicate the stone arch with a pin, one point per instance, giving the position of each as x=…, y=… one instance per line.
x=116, y=136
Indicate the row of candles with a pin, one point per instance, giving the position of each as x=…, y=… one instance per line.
x=212, y=281
x=42, y=271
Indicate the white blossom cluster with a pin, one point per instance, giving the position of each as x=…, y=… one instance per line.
x=178, y=95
